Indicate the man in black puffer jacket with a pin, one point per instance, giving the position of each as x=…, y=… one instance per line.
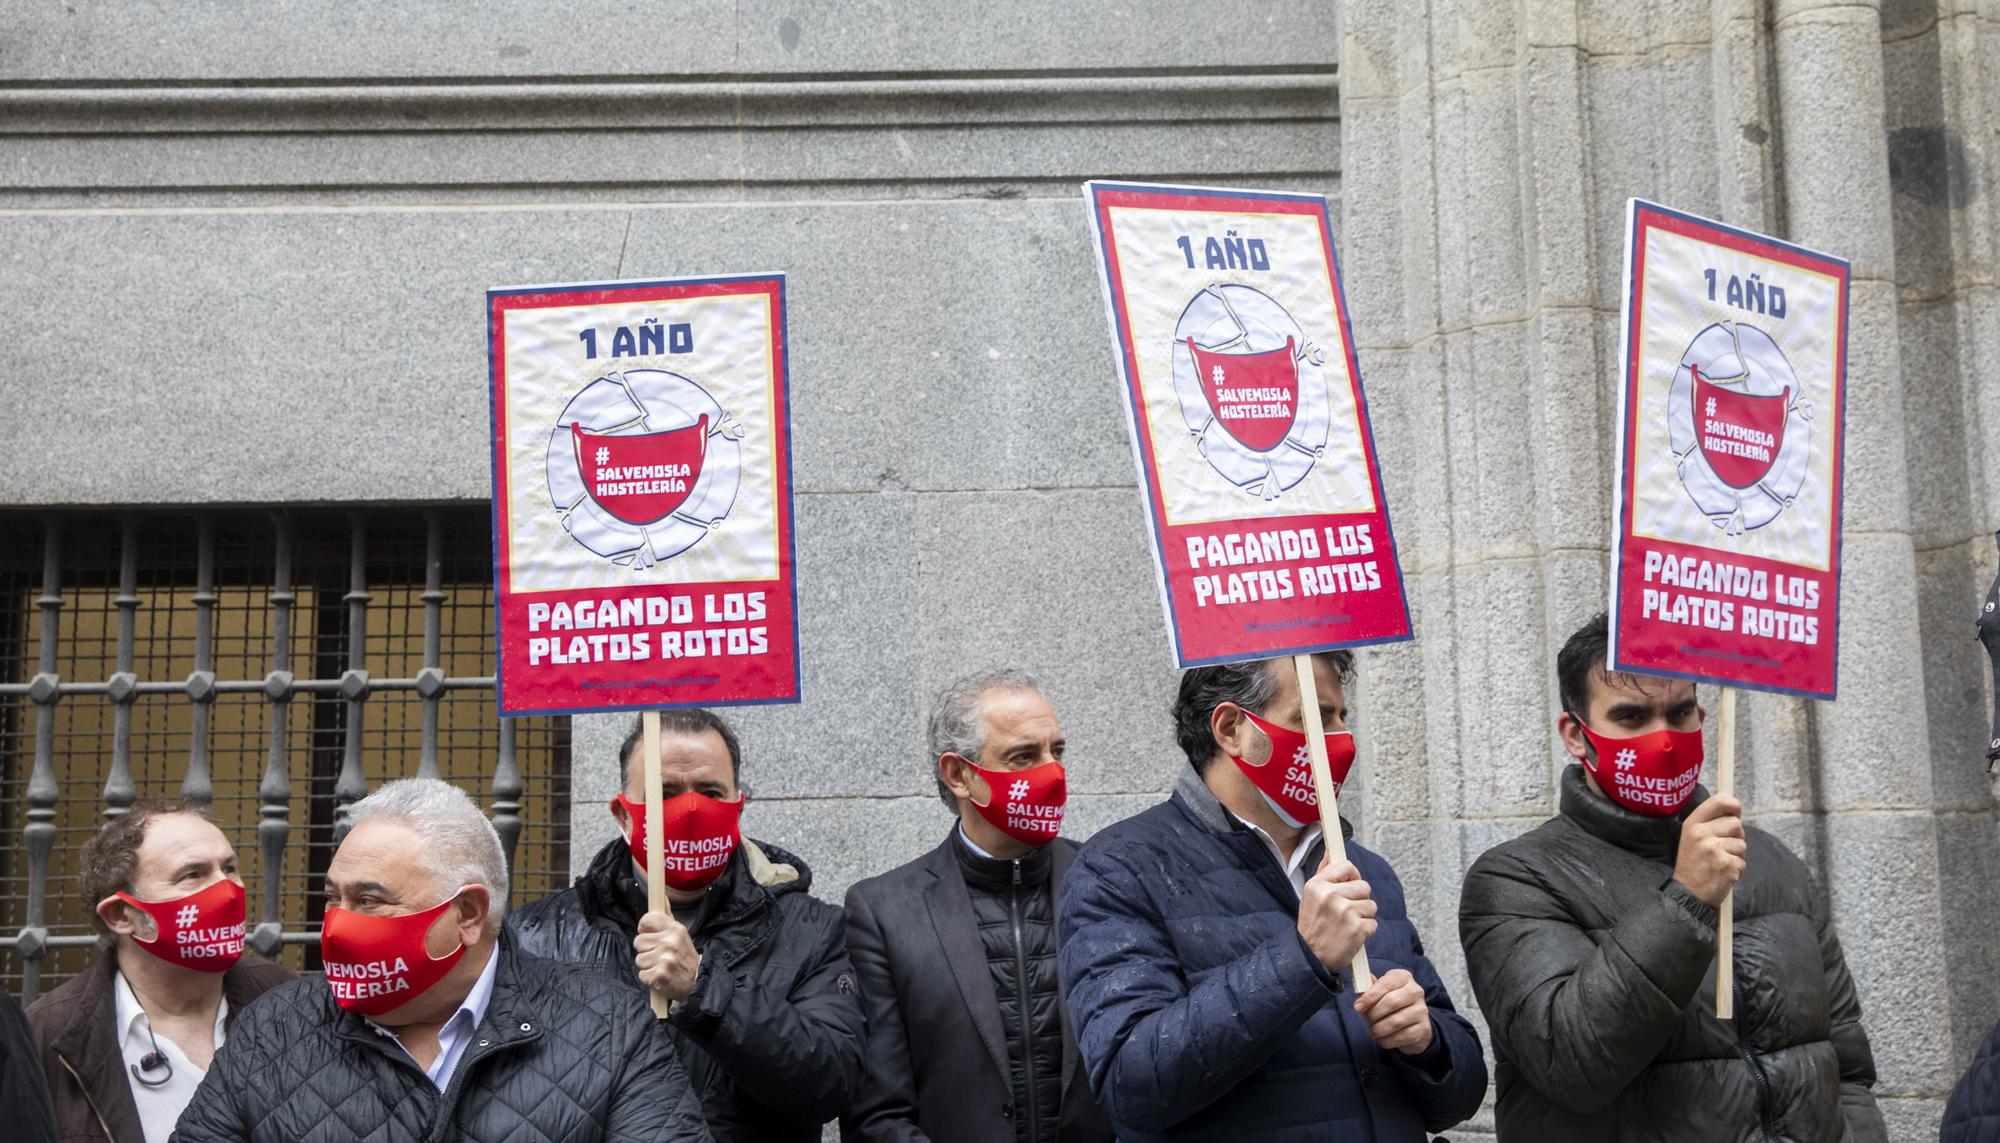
x=764, y=1006
x=968, y=1038
x=1591, y=946
x=429, y=1023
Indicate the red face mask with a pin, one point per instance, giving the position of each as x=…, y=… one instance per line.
x=1284, y=773
x=699, y=836
x=378, y=964
x=1651, y=774
x=1026, y=805
x=202, y=931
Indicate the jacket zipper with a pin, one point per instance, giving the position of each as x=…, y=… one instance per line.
x=87, y=1098
x=1021, y=984
x=1756, y=1069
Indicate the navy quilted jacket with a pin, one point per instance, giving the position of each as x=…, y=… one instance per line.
x=563, y=1054
x=1201, y=1013
x=1973, y=1115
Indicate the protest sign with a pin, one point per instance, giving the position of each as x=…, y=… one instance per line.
x=642, y=509
x=1726, y=555
x=642, y=505
x=1725, y=563
x=1270, y=532
x=1264, y=504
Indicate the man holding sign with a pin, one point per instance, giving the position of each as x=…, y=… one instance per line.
x=1591, y=945
x=642, y=511
x=754, y=970
x=1204, y=944
x=1204, y=941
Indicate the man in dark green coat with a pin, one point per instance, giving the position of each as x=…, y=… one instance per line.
x=1590, y=942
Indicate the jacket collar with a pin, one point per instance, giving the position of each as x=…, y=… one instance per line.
x=89, y=1044
x=1605, y=819
x=90, y=1040
x=1195, y=800
x=609, y=889
x=737, y=917
x=1200, y=803
x=994, y=874
x=513, y=1015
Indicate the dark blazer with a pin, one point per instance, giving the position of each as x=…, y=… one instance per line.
x=937, y=1055
x=76, y=1032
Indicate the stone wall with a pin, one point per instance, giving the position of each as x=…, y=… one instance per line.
x=243, y=250
x=263, y=234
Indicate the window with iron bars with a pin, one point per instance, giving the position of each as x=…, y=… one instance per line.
x=275, y=664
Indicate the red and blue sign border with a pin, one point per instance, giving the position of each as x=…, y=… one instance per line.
x=1101, y=197
x=1642, y=216
x=498, y=302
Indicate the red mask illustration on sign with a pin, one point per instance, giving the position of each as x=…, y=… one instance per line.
x=1254, y=395
x=1284, y=776
x=1740, y=433
x=1651, y=774
x=202, y=931
x=699, y=837
x=1026, y=805
x=378, y=964
x=641, y=479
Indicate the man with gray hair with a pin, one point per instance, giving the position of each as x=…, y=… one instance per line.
x=956, y=951
x=428, y=1022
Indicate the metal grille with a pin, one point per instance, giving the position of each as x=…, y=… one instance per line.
x=274, y=665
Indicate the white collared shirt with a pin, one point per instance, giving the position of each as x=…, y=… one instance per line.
x=159, y=1107
x=1294, y=866
x=457, y=1031
x=973, y=845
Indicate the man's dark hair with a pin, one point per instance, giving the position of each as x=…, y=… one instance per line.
x=1250, y=685
x=1582, y=655
x=110, y=859
x=683, y=720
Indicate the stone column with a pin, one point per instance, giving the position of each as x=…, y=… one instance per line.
x=1488, y=150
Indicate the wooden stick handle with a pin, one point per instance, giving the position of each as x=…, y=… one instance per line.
x=1329, y=809
x=1725, y=918
x=656, y=873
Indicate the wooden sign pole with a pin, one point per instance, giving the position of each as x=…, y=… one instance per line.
x=656, y=873
x=1725, y=918
x=1329, y=811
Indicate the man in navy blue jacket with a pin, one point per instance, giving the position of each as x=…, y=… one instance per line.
x=1205, y=945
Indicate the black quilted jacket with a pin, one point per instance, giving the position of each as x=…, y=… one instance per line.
x=773, y=1033
x=1596, y=973
x=1973, y=1115
x=562, y=1055
x=1016, y=912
